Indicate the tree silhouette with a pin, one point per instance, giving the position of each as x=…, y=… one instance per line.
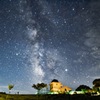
x=96, y=82
x=83, y=87
x=39, y=86
x=96, y=86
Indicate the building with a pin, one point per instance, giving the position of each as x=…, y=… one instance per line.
x=56, y=86
x=65, y=89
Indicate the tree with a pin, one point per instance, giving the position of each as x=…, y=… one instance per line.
x=10, y=86
x=83, y=87
x=96, y=86
x=96, y=82
x=39, y=86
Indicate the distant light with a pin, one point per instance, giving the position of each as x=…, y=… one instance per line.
x=82, y=8
x=66, y=70
x=73, y=9
x=17, y=54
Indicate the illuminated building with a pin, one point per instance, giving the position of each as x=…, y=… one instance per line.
x=56, y=86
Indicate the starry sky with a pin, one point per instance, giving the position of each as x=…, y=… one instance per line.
x=41, y=40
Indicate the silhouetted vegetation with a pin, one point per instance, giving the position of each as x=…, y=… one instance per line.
x=39, y=86
x=96, y=82
x=81, y=87
x=96, y=86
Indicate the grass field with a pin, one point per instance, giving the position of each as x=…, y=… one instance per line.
x=47, y=97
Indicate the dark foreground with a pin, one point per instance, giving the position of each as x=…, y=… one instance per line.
x=48, y=97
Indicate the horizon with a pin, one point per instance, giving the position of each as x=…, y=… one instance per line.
x=14, y=91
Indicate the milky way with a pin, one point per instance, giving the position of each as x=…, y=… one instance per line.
x=49, y=39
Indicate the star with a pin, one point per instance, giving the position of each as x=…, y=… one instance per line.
x=66, y=70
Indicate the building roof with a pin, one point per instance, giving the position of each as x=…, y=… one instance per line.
x=54, y=80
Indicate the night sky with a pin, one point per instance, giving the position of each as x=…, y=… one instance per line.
x=41, y=40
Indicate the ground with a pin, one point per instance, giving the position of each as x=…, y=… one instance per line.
x=48, y=97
